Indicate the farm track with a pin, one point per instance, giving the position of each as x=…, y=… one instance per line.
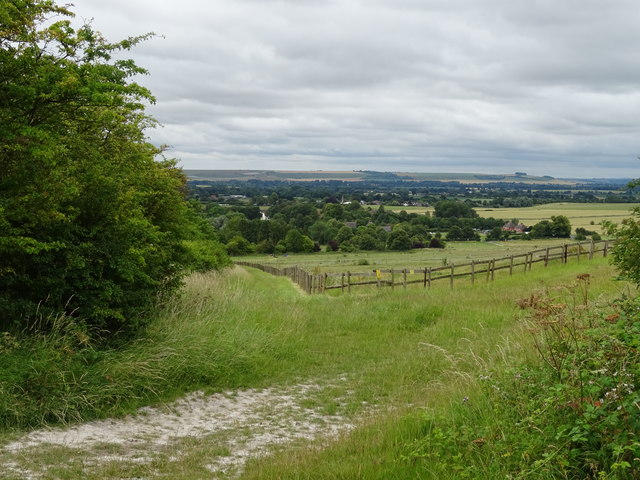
x=232, y=427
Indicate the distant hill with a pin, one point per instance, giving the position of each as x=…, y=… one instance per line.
x=369, y=175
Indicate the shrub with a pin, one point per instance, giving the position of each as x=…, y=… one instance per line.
x=573, y=414
x=91, y=223
x=203, y=255
x=626, y=252
x=436, y=243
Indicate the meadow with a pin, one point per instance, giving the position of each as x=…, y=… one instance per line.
x=381, y=360
x=454, y=252
x=585, y=215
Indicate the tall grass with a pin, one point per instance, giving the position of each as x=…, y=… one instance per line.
x=216, y=335
x=405, y=351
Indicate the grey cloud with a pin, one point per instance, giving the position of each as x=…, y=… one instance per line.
x=435, y=85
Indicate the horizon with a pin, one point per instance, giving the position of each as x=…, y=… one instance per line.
x=507, y=174
x=551, y=88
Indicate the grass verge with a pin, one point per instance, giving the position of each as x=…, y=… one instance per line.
x=405, y=353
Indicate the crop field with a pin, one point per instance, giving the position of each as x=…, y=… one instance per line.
x=586, y=215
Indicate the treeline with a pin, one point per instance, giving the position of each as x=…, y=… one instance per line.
x=305, y=225
x=398, y=192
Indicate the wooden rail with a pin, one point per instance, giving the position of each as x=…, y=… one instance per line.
x=476, y=269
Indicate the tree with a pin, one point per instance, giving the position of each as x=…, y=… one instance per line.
x=345, y=233
x=462, y=233
x=542, y=229
x=296, y=242
x=239, y=245
x=333, y=210
x=496, y=233
x=90, y=223
x=626, y=251
x=560, y=226
x=399, y=239
x=454, y=209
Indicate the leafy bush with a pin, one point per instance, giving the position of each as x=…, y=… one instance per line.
x=626, y=251
x=572, y=415
x=91, y=225
x=203, y=255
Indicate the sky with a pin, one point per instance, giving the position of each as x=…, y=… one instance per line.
x=548, y=87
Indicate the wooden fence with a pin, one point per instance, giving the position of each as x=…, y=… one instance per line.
x=475, y=270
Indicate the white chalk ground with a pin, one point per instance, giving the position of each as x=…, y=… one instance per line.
x=245, y=424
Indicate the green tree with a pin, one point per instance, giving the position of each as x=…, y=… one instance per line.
x=239, y=245
x=496, y=233
x=543, y=229
x=453, y=209
x=90, y=223
x=626, y=251
x=333, y=210
x=296, y=242
x=345, y=233
x=462, y=233
x=560, y=226
x=399, y=239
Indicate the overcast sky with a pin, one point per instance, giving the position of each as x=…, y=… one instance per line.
x=549, y=87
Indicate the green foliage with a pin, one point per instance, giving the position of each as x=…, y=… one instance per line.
x=204, y=255
x=592, y=376
x=333, y=210
x=496, y=233
x=296, y=242
x=454, y=209
x=626, y=251
x=465, y=234
x=572, y=416
x=399, y=239
x=558, y=227
x=92, y=225
x=239, y=245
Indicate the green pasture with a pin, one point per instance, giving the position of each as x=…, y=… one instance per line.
x=586, y=215
x=400, y=353
x=454, y=252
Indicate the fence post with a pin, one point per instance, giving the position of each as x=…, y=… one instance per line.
x=404, y=278
x=393, y=279
x=473, y=272
x=425, y=278
x=342, y=283
x=565, y=252
x=451, y=281
x=349, y=282
x=511, y=266
x=606, y=247
x=546, y=257
x=429, y=273
x=591, y=250
x=493, y=268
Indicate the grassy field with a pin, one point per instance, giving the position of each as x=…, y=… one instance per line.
x=586, y=215
x=455, y=252
x=401, y=352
